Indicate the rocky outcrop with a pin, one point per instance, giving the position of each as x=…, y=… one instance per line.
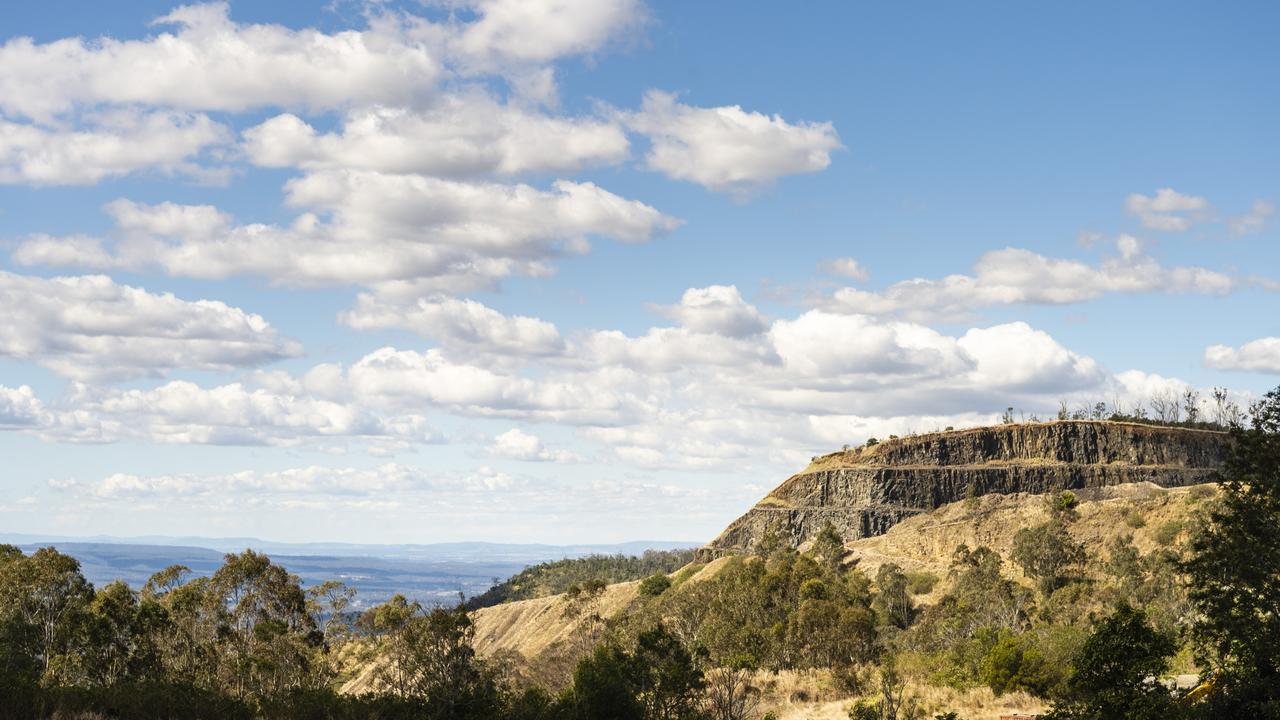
x=863, y=492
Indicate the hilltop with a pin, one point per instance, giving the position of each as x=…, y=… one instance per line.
x=862, y=492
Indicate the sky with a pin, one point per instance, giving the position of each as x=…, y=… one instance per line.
x=574, y=271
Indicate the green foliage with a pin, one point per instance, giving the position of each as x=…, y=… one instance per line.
x=1234, y=567
x=1134, y=519
x=655, y=585
x=893, y=599
x=793, y=611
x=828, y=547
x=658, y=680
x=1064, y=503
x=1048, y=554
x=1168, y=532
x=552, y=578
x=1014, y=662
x=921, y=583
x=1114, y=671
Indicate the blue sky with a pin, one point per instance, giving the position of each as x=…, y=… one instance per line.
x=568, y=271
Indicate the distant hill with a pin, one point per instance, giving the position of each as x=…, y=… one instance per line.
x=430, y=574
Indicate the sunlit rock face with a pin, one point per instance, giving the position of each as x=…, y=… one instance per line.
x=865, y=491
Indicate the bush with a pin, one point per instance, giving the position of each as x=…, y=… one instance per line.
x=921, y=583
x=1168, y=532
x=1015, y=663
x=655, y=585
x=1134, y=519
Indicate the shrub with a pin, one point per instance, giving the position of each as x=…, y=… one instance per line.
x=921, y=583
x=1168, y=532
x=655, y=585
x=1015, y=663
x=1134, y=519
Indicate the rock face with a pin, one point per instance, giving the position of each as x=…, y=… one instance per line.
x=865, y=491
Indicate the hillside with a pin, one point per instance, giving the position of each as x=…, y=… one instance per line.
x=549, y=633
x=908, y=503
x=863, y=492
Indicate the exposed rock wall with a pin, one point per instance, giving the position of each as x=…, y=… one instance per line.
x=865, y=491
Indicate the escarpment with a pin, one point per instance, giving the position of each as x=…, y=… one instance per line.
x=864, y=491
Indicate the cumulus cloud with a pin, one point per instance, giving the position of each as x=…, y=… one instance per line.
x=406, y=378
x=212, y=63
x=460, y=136
x=1019, y=357
x=369, y=229
x=1168, y=210
x=458, y=323
x=1015, y=276
x=115, y=144
x=91, y=328
x=726, y=148
x=716, y=309
x=821, y=344
x=516, y=444
x=181, y=412
x=1262, y=355
x=518, y=33
x=20, y=408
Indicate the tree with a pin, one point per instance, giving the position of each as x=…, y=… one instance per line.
x=1015, y=663
x=268, y=638
x=669, y=683
x=55, y=595
x=1117, y=672
x=603, y=688
x=893, y=599
x=828, y=547
x=1047, y=553
x=730, y=695
x=1234, y=568
x=431, y=658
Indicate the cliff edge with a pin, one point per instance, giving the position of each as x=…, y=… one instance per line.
x=864, y=491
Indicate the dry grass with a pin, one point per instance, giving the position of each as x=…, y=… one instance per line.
x=812, y=695
x=925, y=542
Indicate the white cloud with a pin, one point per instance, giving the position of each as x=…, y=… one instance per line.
x=181, y=412
x=115, y=144
x=845, y=267
x=1262, y=355
x=460, y=136
x=520, y=33
x=820, y=344
x=1020, y=357
x=516, y=444
x=1168, y=210
x=213, y=63
x=716, y=309
x=1015, y=276
x=371, y=229
x=312, y=479
x=671, y=349
x=405, y=378
x=464, y=324
x=1253, y=221
x=726, y=148
x=90, y=328
x=20, y=408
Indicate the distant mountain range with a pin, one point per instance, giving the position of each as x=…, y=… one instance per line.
x=429, y=573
